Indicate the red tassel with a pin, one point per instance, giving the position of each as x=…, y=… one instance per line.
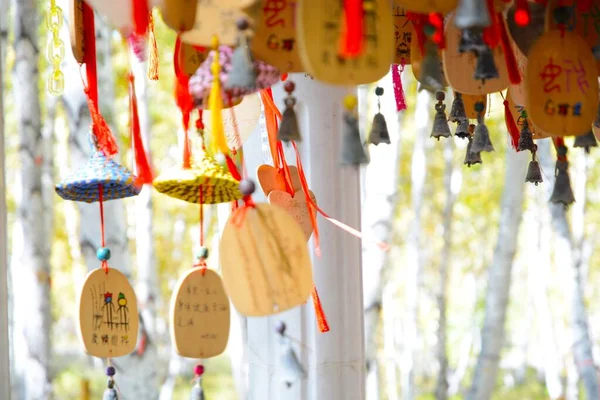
x=398, y=89
x=153, y=59
x=233, y=168
x=141, y=13
x=319, y=313
x=511, y=126
x=509, y=55
x=105, y=140
x=143, y=169
x=352, y=31
x=418, y=21
x=437, y=20
x=184, y=101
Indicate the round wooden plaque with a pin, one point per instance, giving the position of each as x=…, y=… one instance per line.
x=108, y=314
x=199, y=315
x=211, y=20
x=460, y=68
x=239, y=125
x=265, y=261
x=274, y=40
x=319, y=27
x=562, y=84
x=179, y=15
x=404, y=34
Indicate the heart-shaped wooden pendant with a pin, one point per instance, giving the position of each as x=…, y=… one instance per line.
x=297, y=206
x=270, y=178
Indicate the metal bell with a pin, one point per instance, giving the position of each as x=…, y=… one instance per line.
x=290, y=367
x=197, y=391
x=379, y=131
x=440, y=123
x=526, y=138
x=472, y=158
x=534, y=172
x=472, y=14
x=562, y=192
x=586, y=141
x=462, y=130
x=471, y=40
x=432, y=77
x=110, y=393
x=486, y=66
x=457, y=111
x=353, y=151
x=288, y=129
x=481, y=139
x=242, y=73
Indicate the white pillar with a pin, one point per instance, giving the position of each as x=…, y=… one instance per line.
x=334, y=361
x=4, y=349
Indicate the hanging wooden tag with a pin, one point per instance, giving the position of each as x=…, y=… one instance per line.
x=238, y=129
x=416, y=60
x=274, y=40
x=211, y=20
x=404, y=34
x=516, y=111
x=319, y=29
x=562, y=84
x=108, y=314
x=191, y=57
x=460, y=68
x=470, y=100
x=270, y=178
x=525, y=36
x=584, y=23
x=518, y=92
x=179, y=15
x=428, y=6
x=296, y=206
x=199, y=315
x=76, y=29
x=265, y=261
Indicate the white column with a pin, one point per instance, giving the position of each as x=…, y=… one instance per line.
x=335, y=360
x=4, y=349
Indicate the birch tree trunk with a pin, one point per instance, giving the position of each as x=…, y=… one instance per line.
x=380, y=186
x=30, y=264
x=413, y=246
x=493, y=334
x=568, y=252
x=451, y=184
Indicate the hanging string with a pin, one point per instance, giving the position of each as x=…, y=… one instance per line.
x=398, y=89
x=104, y=264
x=201, y=261
x=105, y=140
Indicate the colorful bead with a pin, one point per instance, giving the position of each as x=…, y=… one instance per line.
x=247, y=187
x=379, y=91
x=350, y=102
x=199, y=370
x=280, y=328
x=110, y=371
x=479, y=107
x=103, y=254
x=440, y=96
x=289, y=87
x=202, y=253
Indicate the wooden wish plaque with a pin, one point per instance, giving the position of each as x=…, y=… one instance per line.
x=76, y=29
x=319, y=34
x=265, y=262
x=296, y=206
x=404, y=34
x=460, y=68
x=213, y=19
x=428, y=6
x=191, y=57
x=108, y=314
x=274, y=40
x=562, y=84
x=179, y=15
x=199, y=315
x=516, y=112
x=270, y=178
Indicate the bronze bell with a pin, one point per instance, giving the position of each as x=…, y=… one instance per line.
x=462, y=130
x=481, y=139
x=457, y=111
x=562, y=191
x=288, y=129
x=472, y=14
x=586, y=141
x=486, y=66
x=379, y=131
x=534, y=172
x=526, y=138
x=440, y=123
x=471, y=40
x=290, y=368
x=472, y=158
x=353, y=150
x=432, y=77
